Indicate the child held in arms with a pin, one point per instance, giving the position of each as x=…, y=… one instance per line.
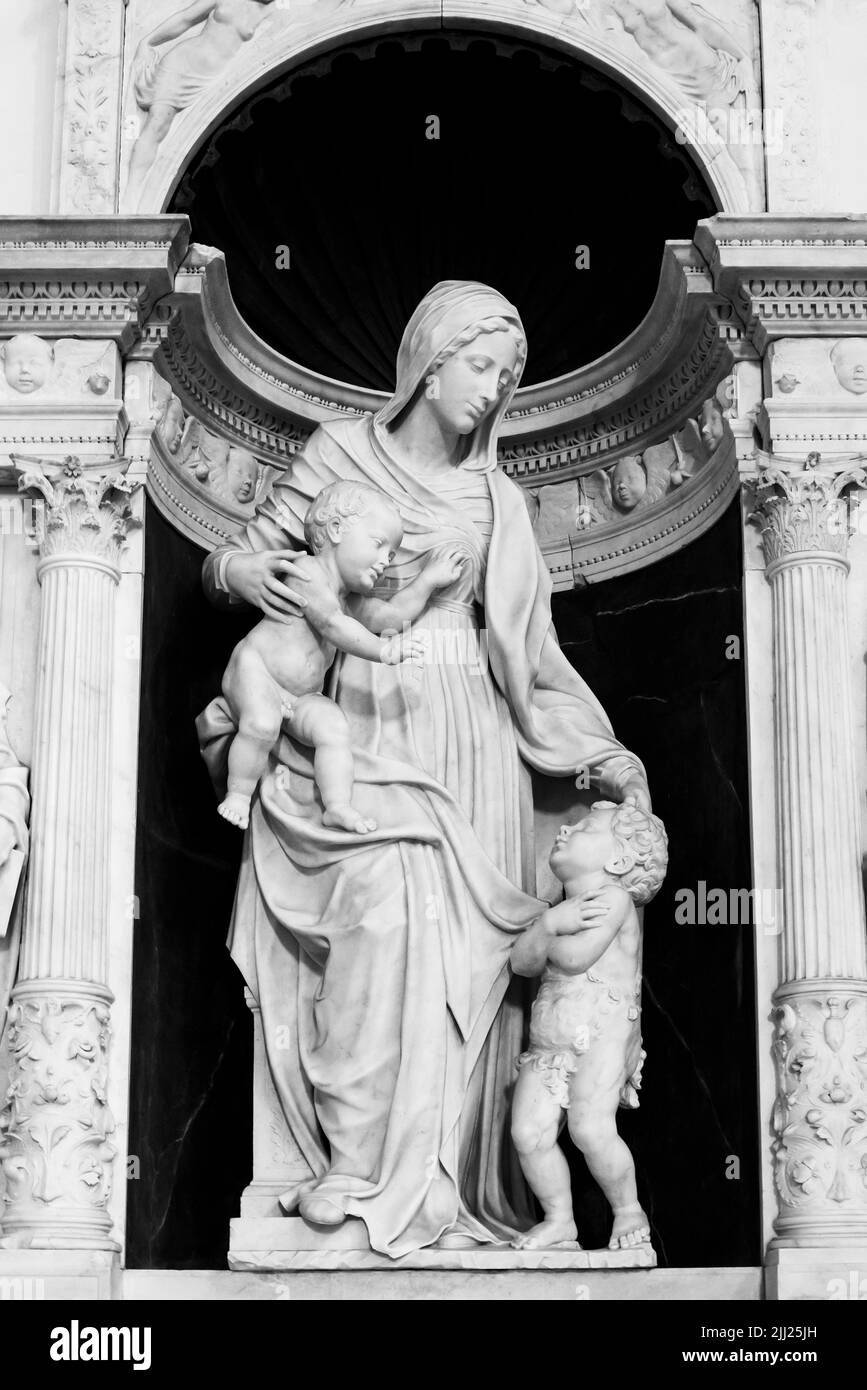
x=585, y=1053
x=276, y=673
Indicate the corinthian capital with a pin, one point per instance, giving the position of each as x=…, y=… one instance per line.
x=802, y=506
x=85, y=511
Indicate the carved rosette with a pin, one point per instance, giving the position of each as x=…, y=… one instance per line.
x=55, y=1127
x=805, y=511
x=820, y=1115
x=83, y=513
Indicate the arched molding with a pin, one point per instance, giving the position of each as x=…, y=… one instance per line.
x=560, y=441
x=305, y=35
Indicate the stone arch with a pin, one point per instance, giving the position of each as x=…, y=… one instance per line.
x=298, y=43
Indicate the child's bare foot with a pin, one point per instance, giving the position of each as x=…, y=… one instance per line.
x=631, y=1228
x=347, y=818
x=555, y=1230
x=236, y=809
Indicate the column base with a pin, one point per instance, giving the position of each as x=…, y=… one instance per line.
x=816, y=1273
x=67, y=1275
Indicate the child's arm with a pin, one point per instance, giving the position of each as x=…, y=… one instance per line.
x=532, y=950
x=575, y=953
x=440, y=571
x=324, y=613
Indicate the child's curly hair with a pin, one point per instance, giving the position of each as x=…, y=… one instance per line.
x=642, y=837
x=340, y=500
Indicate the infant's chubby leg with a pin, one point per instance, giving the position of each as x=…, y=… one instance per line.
x=317, y=721
x=594, y=1097
x=256, y=702
x=536, y=1121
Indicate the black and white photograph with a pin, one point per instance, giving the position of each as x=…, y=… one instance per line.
x=433, y=667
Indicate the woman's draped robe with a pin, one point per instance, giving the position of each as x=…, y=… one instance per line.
x=380, y=962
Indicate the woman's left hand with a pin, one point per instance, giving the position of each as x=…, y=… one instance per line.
x=638, y=793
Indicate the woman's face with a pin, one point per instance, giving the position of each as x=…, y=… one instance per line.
x=466, y=387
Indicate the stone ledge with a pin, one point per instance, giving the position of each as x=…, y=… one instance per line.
x=652, y=1285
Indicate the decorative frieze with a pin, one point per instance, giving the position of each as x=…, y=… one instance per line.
x=820, y=1115
x=100, y=282
x=89, y=130
x=55, y=1129
x=789, y=44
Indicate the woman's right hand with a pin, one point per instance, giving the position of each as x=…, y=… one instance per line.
x=258, y=578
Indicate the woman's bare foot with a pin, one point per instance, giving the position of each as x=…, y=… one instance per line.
x=320, y=1211
x=631, y=1228
x=347, y=818
x=554, y=1230
x=236, y=809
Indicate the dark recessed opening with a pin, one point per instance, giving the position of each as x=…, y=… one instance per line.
x=536, y=156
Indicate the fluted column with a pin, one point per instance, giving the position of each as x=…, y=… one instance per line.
x=56, y=1126
x=820, y=1008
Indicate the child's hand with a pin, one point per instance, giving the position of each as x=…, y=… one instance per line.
x=574, y=914
x=402, y=647
x=445, y=567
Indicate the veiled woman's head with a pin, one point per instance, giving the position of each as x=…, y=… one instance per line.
x=469, y=377
x=460, y=360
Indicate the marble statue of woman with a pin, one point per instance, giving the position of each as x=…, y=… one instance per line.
x=381, y=962
x=165, y=85
x=14, y=809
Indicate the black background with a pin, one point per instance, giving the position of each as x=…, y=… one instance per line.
x=531, y=162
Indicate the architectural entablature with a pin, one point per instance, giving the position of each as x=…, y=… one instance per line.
x=93, y=277
x=621, y=460
x=789, y=277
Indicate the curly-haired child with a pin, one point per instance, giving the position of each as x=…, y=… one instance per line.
x=585, y=1053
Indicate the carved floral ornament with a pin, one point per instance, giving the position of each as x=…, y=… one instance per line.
x=85, y=512
x=802, y=508
x=56, y=1124
x=820, y=1115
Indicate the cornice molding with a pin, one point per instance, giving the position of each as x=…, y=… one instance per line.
x=91, y=277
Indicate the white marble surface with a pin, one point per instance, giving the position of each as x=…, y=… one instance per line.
x=539, y=1285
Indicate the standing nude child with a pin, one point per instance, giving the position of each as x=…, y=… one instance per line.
x=585, y=1053
x=276, y=673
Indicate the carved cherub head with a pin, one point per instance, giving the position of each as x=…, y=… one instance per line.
x=27, y=362
x=625, y=842
x=636, y=481
x=171, y=424
x=242, y=472
x=711, y=424
x=628, y=482
x=849, y=360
